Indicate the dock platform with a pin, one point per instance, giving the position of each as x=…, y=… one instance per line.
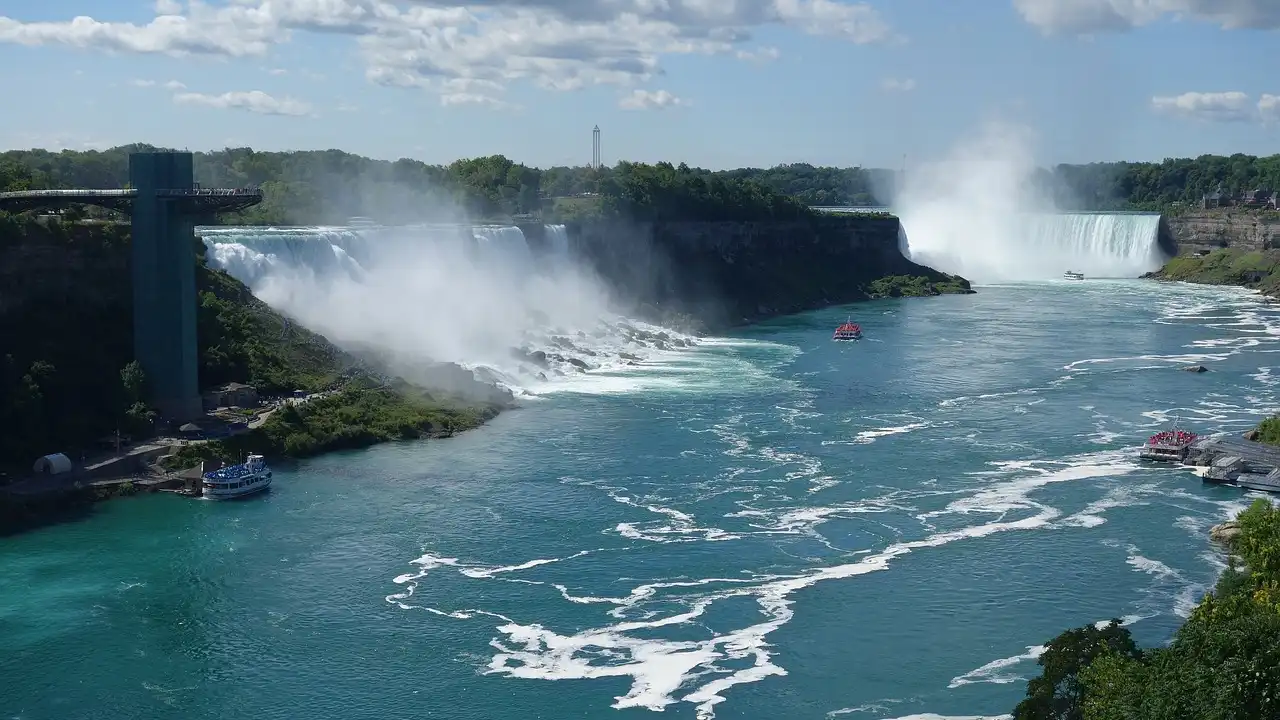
x=1236, y=461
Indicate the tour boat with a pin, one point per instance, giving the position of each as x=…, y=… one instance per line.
x=1168, y=445
x=848, y=331
x=1072, y=275
x=234, y=481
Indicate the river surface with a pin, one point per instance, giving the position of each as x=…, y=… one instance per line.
x=769, y=525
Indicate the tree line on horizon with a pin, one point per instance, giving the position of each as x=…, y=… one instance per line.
x=329, y=186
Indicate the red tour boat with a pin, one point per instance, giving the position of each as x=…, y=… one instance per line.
x=848, y=331
x=1168, y=445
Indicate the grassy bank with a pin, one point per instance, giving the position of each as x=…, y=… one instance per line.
x=1224, y=662
x=1226, y=266
x=357, y=416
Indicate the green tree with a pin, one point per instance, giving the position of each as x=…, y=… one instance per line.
x=1058, y=694
x=133, y=380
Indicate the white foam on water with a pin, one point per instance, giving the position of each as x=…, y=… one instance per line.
x=661, y=669
x=997, y=672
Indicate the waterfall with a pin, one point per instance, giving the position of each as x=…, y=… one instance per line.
x=991, y=248
x=250, y=255
x=558, y=240
x=445, y=293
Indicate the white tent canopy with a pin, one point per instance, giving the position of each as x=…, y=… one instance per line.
x=54, y=464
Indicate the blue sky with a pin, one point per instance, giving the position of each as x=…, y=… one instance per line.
x=716, y=83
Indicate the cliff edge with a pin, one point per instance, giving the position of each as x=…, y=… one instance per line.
x=724, y=273
x=1199, y=231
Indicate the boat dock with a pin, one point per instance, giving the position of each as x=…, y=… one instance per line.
x=1236, y=461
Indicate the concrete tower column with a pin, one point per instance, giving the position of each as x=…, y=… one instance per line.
x=164, y=284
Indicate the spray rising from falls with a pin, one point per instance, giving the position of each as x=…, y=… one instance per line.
x=985, y=213
x=480, y=297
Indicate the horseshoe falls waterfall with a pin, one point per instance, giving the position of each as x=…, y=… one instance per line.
x=756, y=525
x=1036, y=246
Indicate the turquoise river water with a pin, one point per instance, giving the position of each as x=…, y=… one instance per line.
x=768, y=525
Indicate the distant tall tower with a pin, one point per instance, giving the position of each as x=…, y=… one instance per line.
x=595, y=148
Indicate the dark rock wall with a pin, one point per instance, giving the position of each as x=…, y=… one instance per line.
x=733, y=272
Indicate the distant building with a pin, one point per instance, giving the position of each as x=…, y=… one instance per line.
x=1214, y=200
x=1256, y=198
x=54, y=464
x=232, y=395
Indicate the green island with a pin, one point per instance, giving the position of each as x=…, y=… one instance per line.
x=1223, y=662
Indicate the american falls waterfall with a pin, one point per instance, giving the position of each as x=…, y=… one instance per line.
x=528, y=318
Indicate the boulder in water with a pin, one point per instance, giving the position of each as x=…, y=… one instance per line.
x=1196, y=368
x=1252, y=435
x=539, y=357
x=578, y=363
x=629, y=356
x=1226, y=532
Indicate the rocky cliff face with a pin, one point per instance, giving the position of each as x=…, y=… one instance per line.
x=1243, y=229
x=725, y=273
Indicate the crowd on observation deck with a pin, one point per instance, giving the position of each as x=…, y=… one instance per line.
x=1172, y=437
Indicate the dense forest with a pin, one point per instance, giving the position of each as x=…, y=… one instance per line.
x=330, y=186
x=1223, y=663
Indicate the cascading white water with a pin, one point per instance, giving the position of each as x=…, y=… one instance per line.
x=983, y=212
x=558, y=240
x=432, y=293
x=251, y=254
x=1037, y=246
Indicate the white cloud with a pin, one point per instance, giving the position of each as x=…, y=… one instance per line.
x=466, y=98
x=1090, y=16
x=254, y=101
x=171, y=85
x=1269, y=108
x=278, y=71
x=553, y=44
x=896, y=85
x=649, y=100
x=1232, y=106
x=764, y=54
